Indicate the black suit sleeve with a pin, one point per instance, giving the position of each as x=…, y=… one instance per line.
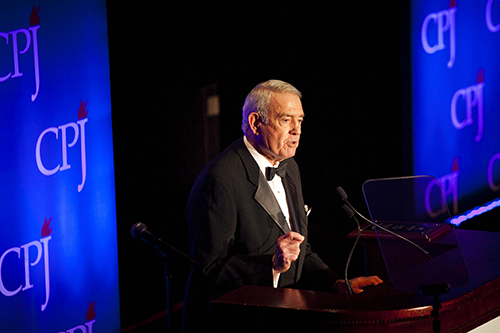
x=213, y=224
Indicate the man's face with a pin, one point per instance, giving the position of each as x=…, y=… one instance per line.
x=278, y=138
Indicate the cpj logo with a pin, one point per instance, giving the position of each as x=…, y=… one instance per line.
x=495, y=187
x=493, y=27
x=443, y=188
x=89, y=324
x=473, y=98
x=434, y=27
x=8, y=286
x=61, y=133
x=20, y=46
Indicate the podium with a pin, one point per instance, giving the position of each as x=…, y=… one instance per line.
x=379, y=309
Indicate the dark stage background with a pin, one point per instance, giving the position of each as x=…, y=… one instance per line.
x=350, y=61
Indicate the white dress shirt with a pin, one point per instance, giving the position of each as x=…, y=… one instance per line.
x=276, y=186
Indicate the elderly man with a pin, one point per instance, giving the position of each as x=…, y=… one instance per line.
x=247, y=221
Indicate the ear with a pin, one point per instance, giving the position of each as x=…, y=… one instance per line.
x=254, y=122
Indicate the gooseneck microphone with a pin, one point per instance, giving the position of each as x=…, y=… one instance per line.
x=140, y=231
x=350, y=213
x=343, y=196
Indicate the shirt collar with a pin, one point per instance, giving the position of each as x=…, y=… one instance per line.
x=262, y=162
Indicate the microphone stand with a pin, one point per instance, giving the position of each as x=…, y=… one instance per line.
x=435, y=290
x=350, y=213
x=167, y=286
x=139, y=230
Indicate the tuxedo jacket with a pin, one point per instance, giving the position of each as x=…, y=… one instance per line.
x=234, y=221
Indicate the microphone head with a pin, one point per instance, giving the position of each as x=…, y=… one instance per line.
x=341, y=193
x=347, y=210
x=137, y=229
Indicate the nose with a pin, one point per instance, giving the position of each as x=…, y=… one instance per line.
x=296, y=128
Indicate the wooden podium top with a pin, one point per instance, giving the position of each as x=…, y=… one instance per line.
x=380, y=308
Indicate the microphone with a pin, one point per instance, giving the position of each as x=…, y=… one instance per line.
x=341, y=193
x=350, y=213
x=140, y=231
x=343, y=196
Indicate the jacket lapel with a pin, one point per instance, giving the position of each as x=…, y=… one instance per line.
x=263, y=195
x=295, y=206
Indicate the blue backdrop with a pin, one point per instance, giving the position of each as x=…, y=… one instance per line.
x=58, y=247
x=456, y=105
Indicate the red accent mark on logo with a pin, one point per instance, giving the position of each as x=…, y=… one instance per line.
x=34, y=18
x=46, y=229
x=480, y=76
x=90, y=312
x=82, y=112
x=453, y=3
x=455, y=167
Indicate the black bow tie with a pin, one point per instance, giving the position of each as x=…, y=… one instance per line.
x=280, y=171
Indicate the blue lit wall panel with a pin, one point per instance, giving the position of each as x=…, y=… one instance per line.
x=58, y=247
x=456, y=105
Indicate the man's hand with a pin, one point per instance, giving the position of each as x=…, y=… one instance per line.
x=357, y=284
x=287, y=251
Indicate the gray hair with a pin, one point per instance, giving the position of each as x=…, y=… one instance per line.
x=259, y=99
